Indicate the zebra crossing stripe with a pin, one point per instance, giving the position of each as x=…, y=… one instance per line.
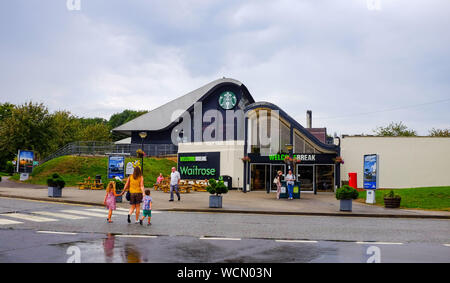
x=7, y=222
x=378, y=243
x=135, y=236
x=58, y=233
x=86, y=213
x=222, y=239
x=106, y=211
x=60, y=215
x=29, y=217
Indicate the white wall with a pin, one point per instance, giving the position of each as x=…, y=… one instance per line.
x=404, y=162
x=231, y=153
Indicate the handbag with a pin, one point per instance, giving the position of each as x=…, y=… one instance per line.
x=128, y=196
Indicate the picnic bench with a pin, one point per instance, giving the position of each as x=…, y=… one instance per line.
x=90, y=184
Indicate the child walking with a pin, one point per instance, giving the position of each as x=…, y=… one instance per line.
x=147, y=208
x=110, y=199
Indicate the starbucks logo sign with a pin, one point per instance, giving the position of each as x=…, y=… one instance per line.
x=227, y=100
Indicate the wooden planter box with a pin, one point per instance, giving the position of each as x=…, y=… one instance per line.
x=392, y=202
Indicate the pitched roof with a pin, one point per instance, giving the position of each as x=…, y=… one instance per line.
x=160, y=118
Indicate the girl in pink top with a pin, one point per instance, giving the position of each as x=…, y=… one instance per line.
x=110, y=199
x=160, y=178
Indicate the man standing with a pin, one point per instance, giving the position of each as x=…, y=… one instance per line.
x=290, y=183
x=174, y=182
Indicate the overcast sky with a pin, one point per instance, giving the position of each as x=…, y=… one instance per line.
x=345, y=60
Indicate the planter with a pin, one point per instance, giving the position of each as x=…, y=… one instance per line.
x=54, y=192
x=346, y=205
x=215, y=201
x=392, y=202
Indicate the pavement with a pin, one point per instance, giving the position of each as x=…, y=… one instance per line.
x=255, y=202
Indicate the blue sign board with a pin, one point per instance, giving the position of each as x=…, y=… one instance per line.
x=25, y=161
x=370, y=171
x=116, y=167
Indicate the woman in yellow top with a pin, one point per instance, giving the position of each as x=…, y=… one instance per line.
x=135, y=184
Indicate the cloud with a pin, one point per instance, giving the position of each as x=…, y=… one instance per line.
x=333, y=57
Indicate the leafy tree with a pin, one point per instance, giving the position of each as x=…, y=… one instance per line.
x=5, y=110
x=94, y=132
x=66, y=128
x=28, y=127
x=395, y=130
x=121, y=118
x=439, y=132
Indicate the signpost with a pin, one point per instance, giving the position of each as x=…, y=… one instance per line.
x=370, y=176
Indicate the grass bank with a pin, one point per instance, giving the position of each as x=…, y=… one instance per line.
x=433, y=198
x=74, y=169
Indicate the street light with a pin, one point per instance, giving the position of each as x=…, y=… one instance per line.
x=143, y=135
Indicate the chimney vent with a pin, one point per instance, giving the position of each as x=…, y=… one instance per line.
x=309, y=119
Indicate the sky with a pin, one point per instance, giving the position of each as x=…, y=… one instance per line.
x=357, y=64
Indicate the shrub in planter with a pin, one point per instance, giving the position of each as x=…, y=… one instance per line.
x=216, y=189
x=392, y=200
x=346, y=194
x=55, y=185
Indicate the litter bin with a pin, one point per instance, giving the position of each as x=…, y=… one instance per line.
x=295, y=192
x=227, y=180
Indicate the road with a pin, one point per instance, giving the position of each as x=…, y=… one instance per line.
x=34, y=231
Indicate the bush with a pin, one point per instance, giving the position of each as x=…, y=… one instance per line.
x=56, y=181
x=392, y=195
x=217, y=188
x=9, y=167
x=346, y=192
x=119, y=184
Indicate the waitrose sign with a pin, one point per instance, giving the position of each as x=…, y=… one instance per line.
x=202, y=165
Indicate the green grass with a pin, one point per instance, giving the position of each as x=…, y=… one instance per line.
x=433, y=198
x=74, y=169
x=3, y=174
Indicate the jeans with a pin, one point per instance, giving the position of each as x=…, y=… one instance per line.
x=290, y=190
x=176, y=191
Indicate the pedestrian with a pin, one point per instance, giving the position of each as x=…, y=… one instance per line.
x=277, y=182
x=110, y=199
x=290, y=183
x=159, y=179
x=147, y=207
x=174, y=183
x=135, y=185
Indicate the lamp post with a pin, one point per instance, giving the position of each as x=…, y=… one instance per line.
x=143, y=135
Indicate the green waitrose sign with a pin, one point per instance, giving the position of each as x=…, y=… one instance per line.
x=202, y=165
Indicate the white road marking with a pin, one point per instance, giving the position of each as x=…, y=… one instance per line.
x=122, y=209
x=59, y=233
x=135, y=236
x=106, y=211
x=295, y=241
x=60, y=215
x=7, y=222
x=447, y=245
x=87, y=213
x=29, y=217
x=378, y=243
x=224, y=239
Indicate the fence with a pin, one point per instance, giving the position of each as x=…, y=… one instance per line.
x=104, y=148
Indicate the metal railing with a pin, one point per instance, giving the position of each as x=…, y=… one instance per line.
x=105, y=148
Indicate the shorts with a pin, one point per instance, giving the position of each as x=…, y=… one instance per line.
x=135, y=198
x=147, y=213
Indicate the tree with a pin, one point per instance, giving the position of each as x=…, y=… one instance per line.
x=28, y=127
x=65, y=127
x=5, y=110
x=439, y=132
x=121, y=118
x=94, y=132
x=395, y=130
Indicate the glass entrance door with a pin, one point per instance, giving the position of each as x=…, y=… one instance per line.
x=260, y=177
x=325, y=178
x=305, y=174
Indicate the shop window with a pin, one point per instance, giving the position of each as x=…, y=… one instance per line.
x=299, y=144
x=325, y=178
x=285, y=137
x=308, y=148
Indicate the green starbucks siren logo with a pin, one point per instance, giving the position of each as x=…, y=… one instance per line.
x=227, y=100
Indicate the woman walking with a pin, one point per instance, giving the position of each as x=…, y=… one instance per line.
x=277, y=182
x=135, y=185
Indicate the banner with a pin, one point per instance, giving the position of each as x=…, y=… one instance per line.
x=116, y=167
x=370, y=171
x=200, y=165
x=25, y=160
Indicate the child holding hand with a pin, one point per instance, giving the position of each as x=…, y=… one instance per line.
x=110, y=199
x=147, y=208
